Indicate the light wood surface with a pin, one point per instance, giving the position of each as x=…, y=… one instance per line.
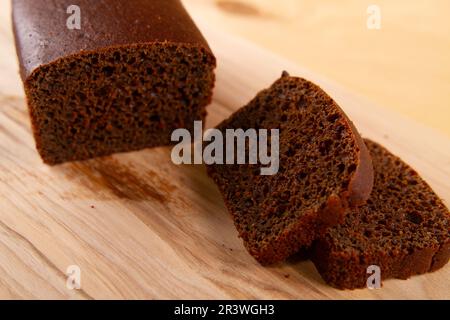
x=140, y=227
x=405, y=65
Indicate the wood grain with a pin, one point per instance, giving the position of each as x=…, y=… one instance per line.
x=140, y=227
x=403, y=66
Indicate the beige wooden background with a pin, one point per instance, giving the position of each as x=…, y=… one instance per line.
x=404, y=66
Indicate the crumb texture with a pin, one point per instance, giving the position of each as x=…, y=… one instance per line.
x=320, y=154
x=117, y=100
x=404, y=229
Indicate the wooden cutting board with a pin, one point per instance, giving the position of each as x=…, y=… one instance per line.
x=140, y=227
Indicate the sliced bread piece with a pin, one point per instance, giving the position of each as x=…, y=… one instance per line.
x=404, y=229
x=324, y=169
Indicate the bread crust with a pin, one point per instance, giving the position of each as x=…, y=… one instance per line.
x=41, y=35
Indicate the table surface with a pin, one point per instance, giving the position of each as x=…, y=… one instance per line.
x=404, y=66
x=137, y=226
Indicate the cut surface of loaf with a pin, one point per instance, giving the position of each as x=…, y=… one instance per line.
x=135, y=71
x=404, y=229
x=324, y=168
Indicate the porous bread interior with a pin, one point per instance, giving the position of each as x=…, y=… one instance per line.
x=118, y=99
x=404, y=229
x=318, y=155
x=403, y=213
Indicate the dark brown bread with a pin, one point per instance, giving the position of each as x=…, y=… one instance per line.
x=136, y=71
x=404, y=229
x=324, y=168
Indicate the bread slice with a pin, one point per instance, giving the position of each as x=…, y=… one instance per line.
x=324, y=168
x=404, y=229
